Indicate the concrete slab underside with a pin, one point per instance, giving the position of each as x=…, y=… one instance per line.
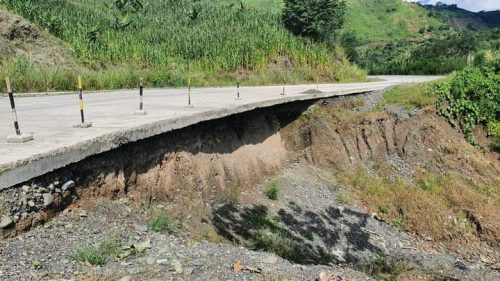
x=57, y=143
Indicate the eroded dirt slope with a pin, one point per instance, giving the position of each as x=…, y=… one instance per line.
x=21, y=40
x=384, y=191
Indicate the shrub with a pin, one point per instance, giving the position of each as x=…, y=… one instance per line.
x=316, y=19
x=470, y=98
x=272, y=190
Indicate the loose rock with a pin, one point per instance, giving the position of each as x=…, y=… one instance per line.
x=48, y=199
x=68, y=185
x=6, y=222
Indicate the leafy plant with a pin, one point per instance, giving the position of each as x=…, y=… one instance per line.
x=471, y=97
x=272, y=190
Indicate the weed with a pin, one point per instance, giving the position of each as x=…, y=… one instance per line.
x=97, y=255
x=382, y=269
x=276, y=242
x=37, y=264
x=384, y=209
x=272, y=190
x=160, y=221
x=343, y=199
x=398, y=222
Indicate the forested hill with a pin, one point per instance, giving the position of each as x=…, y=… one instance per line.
x=398, y=37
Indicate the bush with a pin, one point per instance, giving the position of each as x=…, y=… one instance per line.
x=471, y=98
x=316, y=19
x=272, y=190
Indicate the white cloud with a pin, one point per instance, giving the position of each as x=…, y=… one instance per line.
x=471, y=5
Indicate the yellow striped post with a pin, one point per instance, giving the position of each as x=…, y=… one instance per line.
x=80, y=97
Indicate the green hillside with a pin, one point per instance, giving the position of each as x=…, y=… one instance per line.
x=384, y=20
x=215, y=42
x=460, y=18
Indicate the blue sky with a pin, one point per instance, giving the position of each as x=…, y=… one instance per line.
x=472, y=5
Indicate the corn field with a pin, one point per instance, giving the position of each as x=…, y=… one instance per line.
x=163, y=36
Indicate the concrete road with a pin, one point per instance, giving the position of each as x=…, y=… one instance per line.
x=57, y=144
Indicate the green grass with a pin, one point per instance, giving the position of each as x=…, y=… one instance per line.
x=409, y=96
x=161, y=221
x=99, y=254
x=272, y=190
x=271, y=236
x=215, y=42
x=386, y=20
x=383, y=269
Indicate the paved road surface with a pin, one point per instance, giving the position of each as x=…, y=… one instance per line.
x=57, y=143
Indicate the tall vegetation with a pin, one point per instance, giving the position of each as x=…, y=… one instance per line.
x=316, y=19
x=472, y=97
x=438, y=55
x=164, y=39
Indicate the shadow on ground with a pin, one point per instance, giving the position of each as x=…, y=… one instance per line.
x=295, y=234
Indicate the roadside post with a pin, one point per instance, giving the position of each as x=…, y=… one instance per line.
x=238, y=90
x=82, y=124
x=317, y=83
x=284, y=84
x=189, y=91
x=141, y=110
x=18, y=137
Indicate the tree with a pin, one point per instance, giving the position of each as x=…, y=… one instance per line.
x=316, y=19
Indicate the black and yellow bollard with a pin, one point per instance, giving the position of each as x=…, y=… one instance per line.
x=82, y=124
x=238, y=90
x=18, y=137
x=141, y=110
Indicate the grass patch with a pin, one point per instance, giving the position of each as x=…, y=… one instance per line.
x=343, y=199
x=229, y=196
x=271, y=236
x=382, y=269
x=97, y=255
x=432, y=206
x=272, y=190
x=409, y=96
x=160, y=221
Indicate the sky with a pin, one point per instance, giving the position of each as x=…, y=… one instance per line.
x=471, y=5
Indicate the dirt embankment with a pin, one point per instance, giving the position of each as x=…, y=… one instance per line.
x=193, y=168
x=215, y=161
x=21, y=40
x=413, y=170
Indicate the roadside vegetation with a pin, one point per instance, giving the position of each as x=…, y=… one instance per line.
x=214, y=42
x=409, y=96
x=160, y=221
x=406, y=38
x=435, y=206
x=470, y=98
x=103, y=252
x=272, y=190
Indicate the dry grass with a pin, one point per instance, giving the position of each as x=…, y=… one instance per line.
x=443, y=207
